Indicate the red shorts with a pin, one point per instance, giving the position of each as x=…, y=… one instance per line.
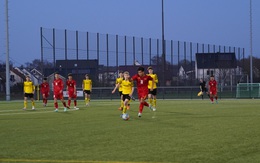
x=58, y=96
x=142, y=94
x=46, y=94
x=72, y=95
x=213, y=92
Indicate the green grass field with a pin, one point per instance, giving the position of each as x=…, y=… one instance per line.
x=180, y=131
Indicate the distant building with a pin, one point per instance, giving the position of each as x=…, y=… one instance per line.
x=16, y=76
x=77, y=67
x=222, y=65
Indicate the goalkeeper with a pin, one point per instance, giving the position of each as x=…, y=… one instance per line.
x=203, y=88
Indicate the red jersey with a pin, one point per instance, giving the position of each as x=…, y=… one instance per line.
x=57, y=86
x=142, y=84
x=142, y=81
x=71, y=85
x=213, y=85
x=45, y=88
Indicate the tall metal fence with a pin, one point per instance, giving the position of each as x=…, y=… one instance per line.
x=103, y=55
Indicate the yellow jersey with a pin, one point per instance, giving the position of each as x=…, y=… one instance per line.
x=28, y=87
x=154, y=76
x=119, y=80
x=126, y=86
x=87, y=84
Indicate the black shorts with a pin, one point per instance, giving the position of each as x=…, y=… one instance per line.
x=126, y=97
x=28, y=95
x=120, y=93
x=153, y=92
x=87, y=92
x=205, y=90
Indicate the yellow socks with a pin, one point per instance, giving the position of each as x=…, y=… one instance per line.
x=151, y=101
x=154, y=102
x=124, y=109
x=122, y=104
x=25, y=104
x=87, y=100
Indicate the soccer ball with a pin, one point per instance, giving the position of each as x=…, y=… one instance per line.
x=125, y=116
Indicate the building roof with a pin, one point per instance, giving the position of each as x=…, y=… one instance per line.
x=18, y=73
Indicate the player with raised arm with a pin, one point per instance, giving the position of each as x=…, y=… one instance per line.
x=127, y=90
x=58, y=92
x=142, y=89
x=87, y=88
x=45, y=91
x=213, y=89
x=72, y=91
x=152, y=93
x=28, y=88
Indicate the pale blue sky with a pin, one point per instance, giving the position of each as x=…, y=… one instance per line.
x=220, y=22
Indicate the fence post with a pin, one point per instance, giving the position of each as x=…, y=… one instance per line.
x=41, y=51
x=53, y=48
x=87, y=46
x=134, y=50
x=77, y=44
x=117, y=52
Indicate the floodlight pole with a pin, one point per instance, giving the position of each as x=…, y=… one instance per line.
x=163, y=46
x=7, y=66
x=251, y=44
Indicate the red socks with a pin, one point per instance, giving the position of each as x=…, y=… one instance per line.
x=56, y=105
x=141, y=106
x=69, y=101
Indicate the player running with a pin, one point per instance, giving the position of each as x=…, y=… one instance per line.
x=28, y=88
x=45, y=91
x=58, y=92
x=119, y=80
x=127, y=90
x=203, y=88
x=213, y=89
x=72, y=91
x=87, y=88
x=152, y=93
x=142, y=89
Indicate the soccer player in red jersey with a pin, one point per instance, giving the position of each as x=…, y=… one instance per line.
x=72, y=91
x=142, y=81
x=45, y=90
x=213, y=90
x=58, y=92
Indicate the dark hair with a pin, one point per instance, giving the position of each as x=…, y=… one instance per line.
x=140, y=69
x=70, y=74
x=56, y=73
x=212, y=76
x=45, y=78
x=121, y=71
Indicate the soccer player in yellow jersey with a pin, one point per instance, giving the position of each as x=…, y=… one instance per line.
x=28, y=89
x=127, y=89
x=87, y=88
x=152, y=93
x=119, y=80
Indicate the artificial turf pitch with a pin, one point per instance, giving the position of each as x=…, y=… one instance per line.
x=180, y=131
